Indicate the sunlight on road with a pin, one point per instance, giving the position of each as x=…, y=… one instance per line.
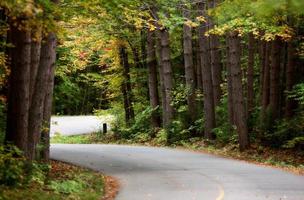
x=77, y=125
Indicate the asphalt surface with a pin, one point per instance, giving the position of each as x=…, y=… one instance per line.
x=147, y=173
x=77, y=125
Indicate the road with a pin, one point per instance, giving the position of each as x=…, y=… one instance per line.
x=148, y=173
x=77, y=125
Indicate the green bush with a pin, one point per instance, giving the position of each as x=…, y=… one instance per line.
x=284, y=131
x=12, y=166
x=224, y=132
x=15, y=170
x=140, y=129
x=2, y=121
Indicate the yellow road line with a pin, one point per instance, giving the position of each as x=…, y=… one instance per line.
x=222, y=193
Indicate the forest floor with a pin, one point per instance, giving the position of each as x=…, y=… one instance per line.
x=64, y=181
x=285, y=159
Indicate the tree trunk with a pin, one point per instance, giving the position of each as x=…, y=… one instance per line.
x=290, y=74
x=189, y=67
x=216, y=66
x=209, y=110
x=250, y=75
x=262, y=52
x=237, y=90
x=47, y=60
x=127, y=88
x=274, y=99
x=161, y=76
x=143, y=40
x=266, y=81
x=18, y=100
x=35, y=59
x=48, y=99
x=153, y=82
x=229, y=85
x=167, y=76
x=197, y=64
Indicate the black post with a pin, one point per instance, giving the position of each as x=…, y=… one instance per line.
x=104, y=128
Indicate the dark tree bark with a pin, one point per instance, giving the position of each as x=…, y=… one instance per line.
x=189, y=67
x=237, y=89
x=262, y=52
x=250, y=74
x=153, y=82
x=274, y=99
x=290, y=75
x=126, y=86
x=229, y=84
x=197, y=66
x=48, y=99
x=35, y=59
x=47, y=60
x=18, y=100
x=216, y=66
x=167, y=76
x=161, y=76
x=144, y=35
x=266, y=80
x=209, y=110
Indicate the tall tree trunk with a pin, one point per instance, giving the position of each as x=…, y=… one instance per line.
x=229, y=84
x=262, y=52
x=167, y=76
x=161, y=76
x=197, y=64
x=209, y=110
x=250, y=74
x=216, y=66
x=266, y=80
x=144, y=35
x=47, y=60
x=237, y=89
x=153, y=82
x=35, y=59
x=48, y=99
x=189, y=67
x=275, y=79
x=18, y=100
x=290, y=72
x=127, y=88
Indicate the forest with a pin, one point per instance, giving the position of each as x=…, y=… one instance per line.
x=228, y=73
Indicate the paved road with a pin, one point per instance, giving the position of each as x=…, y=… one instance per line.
x=149, y=173
x=77, y=125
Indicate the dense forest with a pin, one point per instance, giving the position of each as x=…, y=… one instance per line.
x=181, y=70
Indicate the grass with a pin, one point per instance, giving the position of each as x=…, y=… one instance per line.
x=63, y=182
x=286, y=159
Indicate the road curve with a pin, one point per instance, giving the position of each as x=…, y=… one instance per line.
x=148, y=173
x=78, y=125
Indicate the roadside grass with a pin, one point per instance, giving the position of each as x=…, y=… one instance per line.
x=63, y=182
x=286, y=159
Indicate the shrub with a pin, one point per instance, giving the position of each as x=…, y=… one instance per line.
x=12, y=166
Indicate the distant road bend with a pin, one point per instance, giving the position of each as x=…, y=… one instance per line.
x=147, y=173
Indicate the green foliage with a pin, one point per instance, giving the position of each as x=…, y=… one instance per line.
x=12, y=166
x=162, y=137
x=285, y=131
x=67, y=186
x=15, y=170
x=177, y=131
x=75, y=139
x=298, y=93
x=297, y=141
x=64, y=182
x=140, y=129
x=2, y=121
x=224, y=132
